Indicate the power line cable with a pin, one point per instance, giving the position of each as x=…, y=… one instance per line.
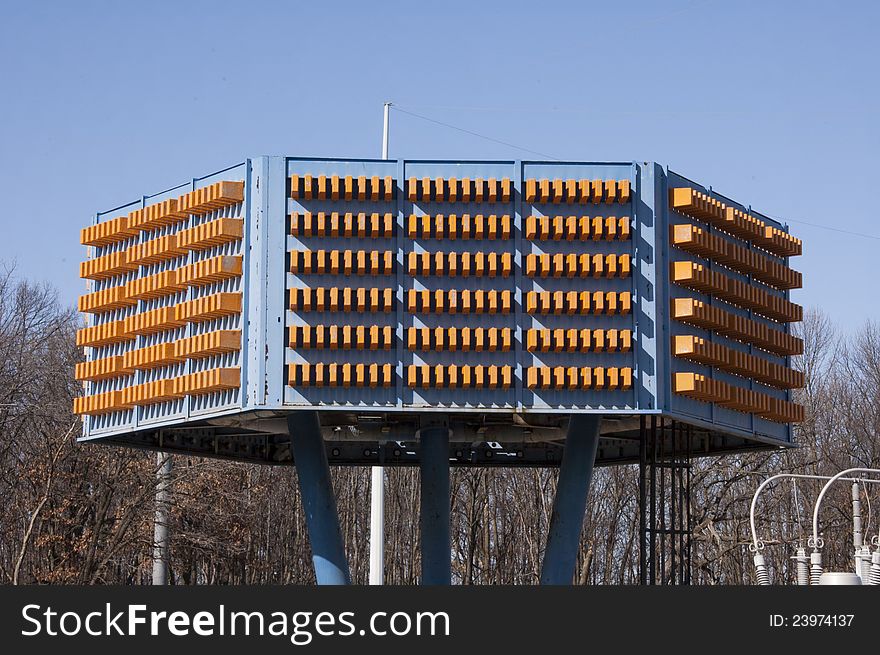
x=541, y=154
x=472, y=133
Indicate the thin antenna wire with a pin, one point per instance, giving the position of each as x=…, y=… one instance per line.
x=541, y=154
x=472, y=133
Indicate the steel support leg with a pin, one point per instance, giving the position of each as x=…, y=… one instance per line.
x=570, y=503
x=436, y=544
x=322, y=520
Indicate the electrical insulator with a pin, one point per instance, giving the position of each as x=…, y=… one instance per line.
x=761, y=570
x=874, y=578
x=815, y=567
x=803, y=567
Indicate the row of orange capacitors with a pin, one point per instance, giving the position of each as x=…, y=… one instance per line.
x=342, y=262
x=340, y=375
x=573, y=377
x=347, y=299
x=335, y=187
x=463, y=190
x=580, y=191
x=459, y=377
x=463, y=264
x=342, y=337
x=578, y=265
x=460, y=339
x=578, y=340
x=453, y=226
x=577, y=228
x=341, y=224
x=578, y=302
x=457, y=301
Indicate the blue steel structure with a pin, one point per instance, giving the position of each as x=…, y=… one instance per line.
x=326, y=311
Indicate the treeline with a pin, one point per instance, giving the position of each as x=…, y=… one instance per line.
x=79, y=513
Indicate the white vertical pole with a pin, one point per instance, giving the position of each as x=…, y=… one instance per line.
x=377, y=484
x=160, y=523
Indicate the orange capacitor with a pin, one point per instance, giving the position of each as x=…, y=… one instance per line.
x=452, y=227
x=439, y=301
x=426, y=189
x=558, y=193
x=466, y=190
x=492, y=190
x=332, y=375
x=479, y=189
x=610, y=265
x=307, y=187
x=584, y=339
x=412, y=376
x=558, y=266
x=479, y=226
x=322, y=187
x=506, y=376
x=346, y=341
x=571, y=265
x=388, y=226
x=531, y=190
x=506, y=301
x=345, y=374
x=373, y=377
x=596, y=191
x=612, y=336
x=532, y=378
x=375, y=266
x=625, y=302
x=531, y=227
x=571, y=228
x=597, y=266
x=333, y=300
x=307, y=337
x=598, y=340
x=558, y=340
x=571, y=191
x=334, y=262
x=544, y=227
x=492, y=227
x=388, y=187
x=558, y=228
x=506, y=335
x=531, y=302
x=438, y=226
x=439, y=338
x=586, y=375
x=558, y=377
x=506, y=264
x=573, y=376
x=453, y=189
x=571, y=340
x=625, y=262
x=347, y=224
x=374, y=337
x=626, y=378
x=452, y=339
x=334, y=187
x=426, y=226
x=625, y=340
x=597, y=228
x=348, y=188
x=465, y=334
x=440, y=189
x=412, y=189
x=583, y=191
x=598, y=302
x=531, y=340
x=610, y=228
x=412, y=226
x=610, y=191
x=558, y=302
x=623, y=191
x=599, y=377
x=439, y=263
x=412, y=263
x=492, y=377
x=479, y=376
x=506, y=189
x=388, y=262
x=544, y=190
x=584, y=228
x=505, y=227
x=571, y=302
x=466, y=379
x=362, y=187
x=531, y=264
x=439, y=377
x=412, y=338
x=452, y=376
x=466, y=226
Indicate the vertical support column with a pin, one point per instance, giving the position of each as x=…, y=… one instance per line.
x=570, y=503
x=322, y=520
x=436, y=543
x=160, y=522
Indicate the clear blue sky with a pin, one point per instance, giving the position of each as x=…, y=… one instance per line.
x=773, y=103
